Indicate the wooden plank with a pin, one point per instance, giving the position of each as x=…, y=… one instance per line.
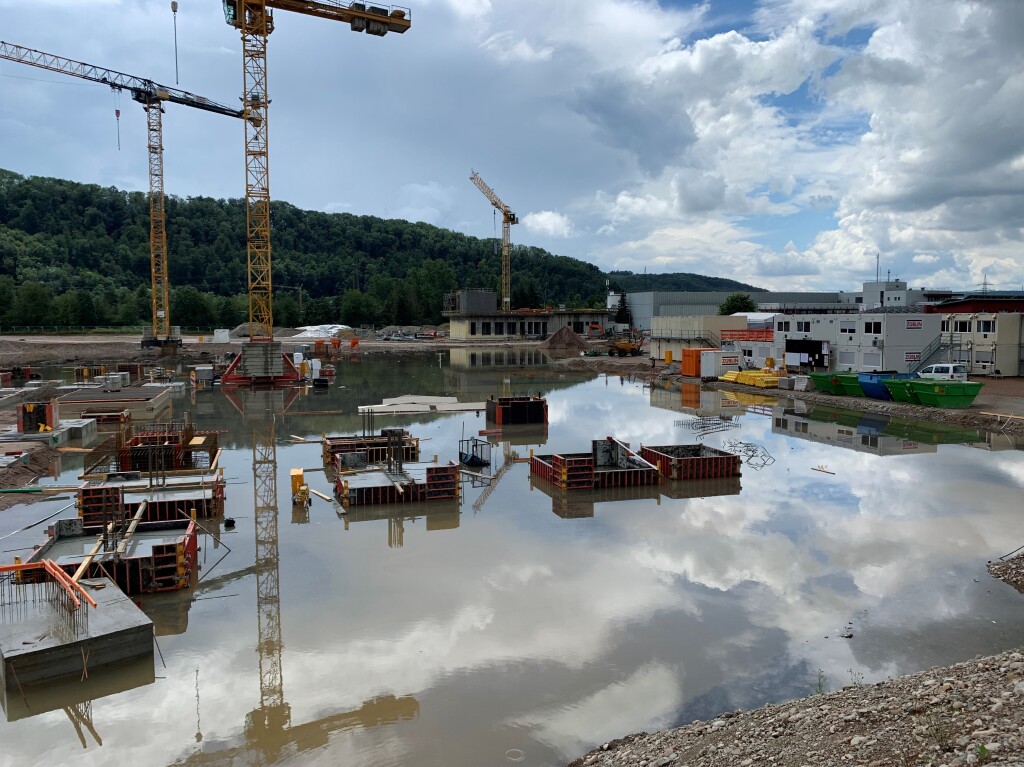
x=318, y=494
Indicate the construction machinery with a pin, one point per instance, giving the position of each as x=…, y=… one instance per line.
x=508, y=218
x=261, y=360
x=626, y=346
x=152, y=97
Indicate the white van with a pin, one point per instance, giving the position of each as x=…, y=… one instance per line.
x=945, y=371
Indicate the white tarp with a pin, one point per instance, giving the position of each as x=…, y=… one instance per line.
x=319, y=331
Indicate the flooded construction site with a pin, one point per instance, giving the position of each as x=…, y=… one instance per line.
x=478, y=559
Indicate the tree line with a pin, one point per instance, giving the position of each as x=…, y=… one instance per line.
x=76, y=254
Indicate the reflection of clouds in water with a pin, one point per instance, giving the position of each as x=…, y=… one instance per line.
x=642, y=701
x=758, y=577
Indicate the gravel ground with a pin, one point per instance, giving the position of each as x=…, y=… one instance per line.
x=964, y=714
x=1011, y=571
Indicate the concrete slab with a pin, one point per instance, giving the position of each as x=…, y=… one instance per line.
x=36, y=646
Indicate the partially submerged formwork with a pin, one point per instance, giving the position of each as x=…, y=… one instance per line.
x=372, y=447
x=514, y=411
x=413, y=483
x=692, y=461
x=176, y=499
x=610, y=463
x=162, y=449
x=140, y=557
x=395, y=480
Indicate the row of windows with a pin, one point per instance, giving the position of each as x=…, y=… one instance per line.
x=964, y=326
x=980, y=357
x=526, y=328
x=845, y=327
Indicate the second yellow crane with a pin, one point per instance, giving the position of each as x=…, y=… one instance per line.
x=508, y=218
x=151, y=95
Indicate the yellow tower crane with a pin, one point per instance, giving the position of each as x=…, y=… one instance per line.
x=151, y=95
x=507, y=219
x=255, y=20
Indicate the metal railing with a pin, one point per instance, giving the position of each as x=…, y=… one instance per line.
x=928, y=352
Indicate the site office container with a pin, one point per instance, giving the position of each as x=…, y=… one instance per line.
x=690, y=361
x=715, y=362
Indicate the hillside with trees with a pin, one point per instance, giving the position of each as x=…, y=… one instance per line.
x=78, y=255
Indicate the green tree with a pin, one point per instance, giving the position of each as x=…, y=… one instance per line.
x=622, y=315
x=737, y=302
x=191, y=308
x=32, y=305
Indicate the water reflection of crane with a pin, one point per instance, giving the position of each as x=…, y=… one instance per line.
x=268, y=729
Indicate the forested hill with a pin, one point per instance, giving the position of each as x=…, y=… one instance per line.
x=78, y=254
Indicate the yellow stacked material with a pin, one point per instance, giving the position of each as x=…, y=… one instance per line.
x=758, y=378
x=732, y=375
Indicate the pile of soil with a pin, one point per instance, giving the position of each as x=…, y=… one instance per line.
x=565, y=340
x=21, y=473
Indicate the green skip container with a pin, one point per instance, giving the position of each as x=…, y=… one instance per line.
x=900, y=390
x=947, y=394
x=849, y=384
x=827, y=383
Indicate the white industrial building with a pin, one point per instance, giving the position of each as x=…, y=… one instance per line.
x=899, y=341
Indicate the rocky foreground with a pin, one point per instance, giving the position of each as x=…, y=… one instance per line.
x=968, y=713
x=1010, y=570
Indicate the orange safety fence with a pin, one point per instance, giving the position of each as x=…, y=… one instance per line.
x=72, y=587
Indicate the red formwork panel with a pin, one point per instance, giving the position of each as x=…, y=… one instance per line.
x=617, y=477
x=570, y=471
x=692, y=461
x=99, y=502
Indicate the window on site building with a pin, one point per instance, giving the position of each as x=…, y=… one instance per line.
x=499, y=328
x=986, y=326
x=800, y=427
x=983, y=357
x=868, y=441
x=874, y=328
x=962, y=326
x=748, y=352
x=803, y=327
x=486, y=329
x=472, y=328
x=962, y=355
x=872, y=359
x=782, y=327
x=485, y=359
x=945, y=326
x=846, y=358
x=849, y=327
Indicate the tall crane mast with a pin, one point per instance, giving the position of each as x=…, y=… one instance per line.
x=508, y=218
x=253, y=18
x=151, y=95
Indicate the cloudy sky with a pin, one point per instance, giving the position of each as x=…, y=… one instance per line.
x=779, y=142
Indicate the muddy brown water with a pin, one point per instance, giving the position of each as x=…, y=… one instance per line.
x=531, y=626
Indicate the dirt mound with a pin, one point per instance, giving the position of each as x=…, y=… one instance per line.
x=565, y=340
